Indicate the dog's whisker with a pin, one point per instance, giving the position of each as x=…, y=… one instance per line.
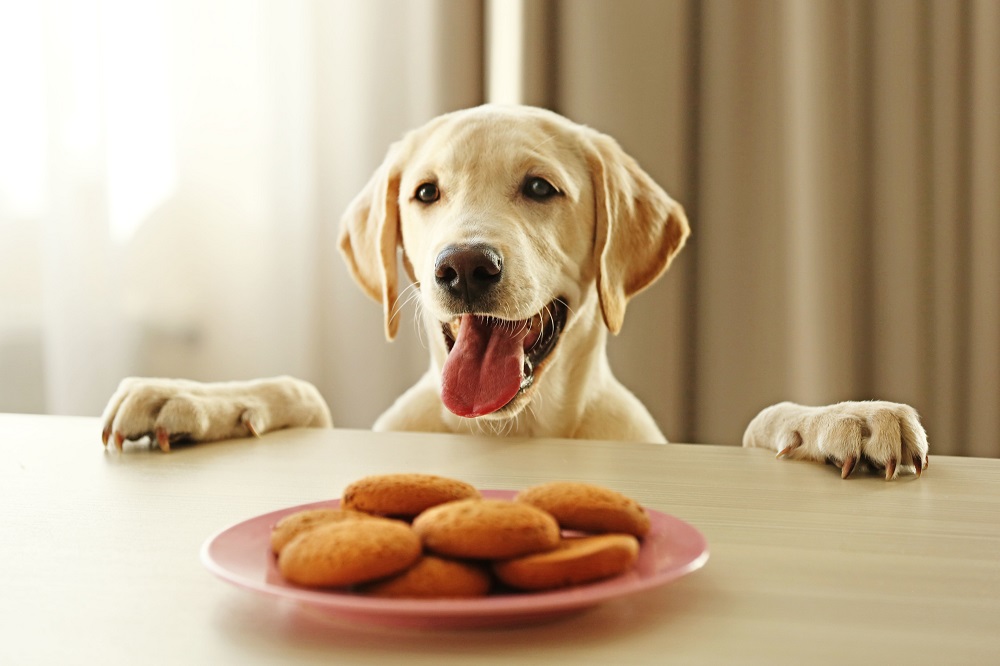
x=551, y=137
x=406, y=297
x=417, y=325
x=396, y=308
x=548, y=319
x=566, y=305
x=499, y=427
x=508, y=426
x=530, y=408
x=411, y=294
x=402, y=300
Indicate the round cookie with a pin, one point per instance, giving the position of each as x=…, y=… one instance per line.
x=486, y=529
x=577, y=560
x=588, y=507
x=295, y=524
x=349, y=552
x=434, y=578
x=404, y=495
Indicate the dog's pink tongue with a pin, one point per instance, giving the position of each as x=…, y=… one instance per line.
x=483, y=370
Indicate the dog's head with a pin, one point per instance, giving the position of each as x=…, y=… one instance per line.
x=508, y=218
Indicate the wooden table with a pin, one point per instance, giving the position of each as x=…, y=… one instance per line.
x=100, y=560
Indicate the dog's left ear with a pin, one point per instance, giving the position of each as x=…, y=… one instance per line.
x=369, y=236
x=639, y=228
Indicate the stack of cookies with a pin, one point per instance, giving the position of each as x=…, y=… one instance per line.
x=426, y=536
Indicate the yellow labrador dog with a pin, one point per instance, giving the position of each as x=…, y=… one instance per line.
x=524, y=236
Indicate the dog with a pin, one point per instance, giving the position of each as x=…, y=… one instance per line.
x=524, y=235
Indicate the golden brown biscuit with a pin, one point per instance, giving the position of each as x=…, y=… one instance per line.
x=294, y=524
x=349, y=552
x=588, y=507
x=434, y=578
x=486, y=529
x=404, y=495
x=576, y=560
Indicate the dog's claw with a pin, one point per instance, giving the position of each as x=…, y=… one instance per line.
x=796, y=443
x=106, y=436
x=119, y=441
x=890, y=469
x=918, y=464
x=849, y=464
x=163, y=439
x=247, y=419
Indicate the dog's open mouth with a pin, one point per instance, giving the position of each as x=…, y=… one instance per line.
x=491, y=360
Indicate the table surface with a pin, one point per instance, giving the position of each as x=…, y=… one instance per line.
x=101, y=556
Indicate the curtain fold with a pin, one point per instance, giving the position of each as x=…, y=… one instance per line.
x=983, y=359
x=839, y=162
x=173, y=173
x=382, y=68
x=195, y=159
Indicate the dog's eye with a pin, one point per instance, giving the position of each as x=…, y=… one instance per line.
x=538, y=189
x=427, y=193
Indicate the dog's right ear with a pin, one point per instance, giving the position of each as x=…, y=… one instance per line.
x=638, y=227
x=369, y=237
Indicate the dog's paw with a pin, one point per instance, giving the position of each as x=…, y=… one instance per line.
x=172, y=410
x=885, y=436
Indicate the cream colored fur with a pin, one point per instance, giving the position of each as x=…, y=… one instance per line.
x=609, y=234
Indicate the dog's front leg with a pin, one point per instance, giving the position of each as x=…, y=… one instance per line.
x=171, y=410
x=883, y=435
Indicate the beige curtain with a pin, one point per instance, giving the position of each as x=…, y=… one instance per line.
x=171, y=177
x=172, y=172
x=382, y=68
x=840, y=161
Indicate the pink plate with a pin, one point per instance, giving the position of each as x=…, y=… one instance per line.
x=241, y=555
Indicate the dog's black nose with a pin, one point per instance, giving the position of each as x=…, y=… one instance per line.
x=467, y=272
